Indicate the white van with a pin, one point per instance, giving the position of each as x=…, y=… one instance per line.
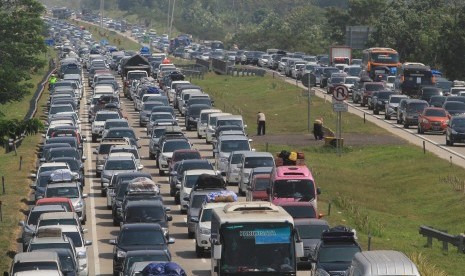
x=202, y=122
x=185, y=95
x=211, y=125
x=381, y=263
x=171, y=90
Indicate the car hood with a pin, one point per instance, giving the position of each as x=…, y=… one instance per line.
x=99, y=123
x=263, y=195
x=168, y=154
x=393, y=104
x=334, y=267
x=436, y=119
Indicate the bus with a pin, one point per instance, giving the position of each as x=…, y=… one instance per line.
x=380, y=57
x=254, y=237
x=411, y=77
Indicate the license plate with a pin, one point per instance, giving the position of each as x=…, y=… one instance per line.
x=436, y=128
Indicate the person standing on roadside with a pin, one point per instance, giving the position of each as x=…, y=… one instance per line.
x=261, y=123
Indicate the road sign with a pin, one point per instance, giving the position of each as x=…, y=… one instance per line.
x=340, y=93
x=340, y=107
x=308, y=78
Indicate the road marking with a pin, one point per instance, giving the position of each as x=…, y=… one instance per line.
x=96, y=260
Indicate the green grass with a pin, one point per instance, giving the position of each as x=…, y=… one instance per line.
x=284, y=105
x=113, y=37
x=17, y=185
x=389, y=191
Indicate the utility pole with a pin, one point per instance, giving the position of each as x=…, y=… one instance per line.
x=172, y=18
x=168, y=17
x=102, y=5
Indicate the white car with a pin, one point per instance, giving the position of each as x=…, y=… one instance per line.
x=187, y=183
x=203, y=228
x=202, y=122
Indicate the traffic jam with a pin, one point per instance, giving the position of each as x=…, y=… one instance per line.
x=140, y=174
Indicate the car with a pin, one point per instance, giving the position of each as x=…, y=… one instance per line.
x=60, y=218
x=455, y=131
x=412, y=109
x=335, y=251
x=183, y=154
x=379, y=101
x=122, y=132
x=155, y=117
x=41, y=263
x=454, y=108
x=232, y=171
x=189, y=179
x=432, y=119
x=166, y=152
x=178, y=174
x=72, y=191
x=40, y=184
x=102, y=152
x=258, y=187
x=367, y=90
x=334, y=81
x=401, y=107
x=193, y=114
x=426, y=92
x=147, y=256
x=117, y=164
x=310, y=231
x=62, y=201
x=249, y=161
x=147, y=211
x=298, y=209
x=137, y=236
x=326, y=73
x=110, y=123
x=114, y=149
x=30, y=224
x=159, y=132
x=437, y=101
x=98, y=122
x=227, y=145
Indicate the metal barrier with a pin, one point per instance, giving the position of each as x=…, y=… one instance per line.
x=241, y=71
x=192, y=74
x=220, y=66
x=204, y=63
x=192, y=67
x=444, y=237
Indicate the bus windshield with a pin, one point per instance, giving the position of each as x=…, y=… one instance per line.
x=257, y=247
x=302, y=189
x=385, y=58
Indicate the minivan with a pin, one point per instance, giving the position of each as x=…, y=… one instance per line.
x=380, y=263
x=211, y=125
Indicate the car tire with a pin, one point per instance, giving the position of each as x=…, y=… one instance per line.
x=94, y=138
x=387, y=117
x=177, y=200
x=98, y=174
x=162, y=172
x=190, y=234
x=115, y=222
x=172, y=192
x=406, y=125
x=198, y=251
x=199, y=136
x=103, y=192
x=375, y=111
x=183, y=211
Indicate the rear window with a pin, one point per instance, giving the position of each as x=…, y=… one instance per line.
x=374, y=87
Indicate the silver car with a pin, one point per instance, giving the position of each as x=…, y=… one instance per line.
x=71, y=190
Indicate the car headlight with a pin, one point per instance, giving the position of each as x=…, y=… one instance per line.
x=78, y=205
x=321, y=272
x=120, y=254
x=205, y=231
x=223, y=159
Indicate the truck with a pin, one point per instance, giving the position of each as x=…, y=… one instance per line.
x=340, y=54
x=136, y=63
x=254, y=238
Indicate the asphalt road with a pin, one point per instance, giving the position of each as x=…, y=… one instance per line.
x=99, y=223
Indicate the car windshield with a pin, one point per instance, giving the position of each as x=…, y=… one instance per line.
x=395, y=99
x=374, y=87
x=109, y=125
x=67, y=262
x=121, y=133
x=150, y=106
x=141, y=237
x=187, y=155
x=106, y=116
x=73, y=165
x=458, y=123
x=158, y=116
x=435, y=113
x=75, y=237
x=68, y=152
x=194, y=166
x=130, y=150
x=120, y=165
x=311, y=231
x=417, y=107
x=195, y=110
x=56, y=109
x=191, y=180
x=254, y=162
x=206, y=215
x=104, y=148
x=354, y=71
x=236, y=158
x=69, y=192
x=51, y=168
x=387, y=58
x=144, y=214
x=234, y=145
x=304, y=211
x=229, y=123
x=39, y=246
x=332, y=254
x=302, y=189
x=158, y=132
x=261, y=184
x=171, y=146
x=337, y=80
x=48, y=222
x=32, y=266
x=66, y=205
x=384, y=95
x=454, y=106
x=121, y=190
x=350, y=81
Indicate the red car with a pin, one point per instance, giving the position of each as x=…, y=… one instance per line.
x=433, y=119
x=257, y=190
x=63, y=201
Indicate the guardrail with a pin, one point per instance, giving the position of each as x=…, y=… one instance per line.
x=204, y=63
x=220, y=66
x=444, y=237
x=241, y=71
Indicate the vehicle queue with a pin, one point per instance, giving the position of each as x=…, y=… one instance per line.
x=237, y=231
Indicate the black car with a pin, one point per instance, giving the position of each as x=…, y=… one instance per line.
x=454, y=108
x=326, y=74
x=379, y=100
x=193, y=114
x=118, y=193
x=137, y=236
x=335, y=251
x=73, y=141
x=123, y=132
x=426, y=92
x=147, y=211
x=45, y=148
x=437, y=101
x=455, y=132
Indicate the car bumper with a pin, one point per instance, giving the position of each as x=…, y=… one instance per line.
x=203, y=240
x=458, y=138
x=433, y=127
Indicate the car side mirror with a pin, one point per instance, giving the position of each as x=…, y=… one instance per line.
x=85, y=195
x=112, y=242
x=21, y=223
x=196, y=220
x=33, y=186
x=171, y=240
x=83, y=158
x=87, y=243
x=85, y=230
x=140, y=167
x=33, y=175
x=5, y=273
x=186, y=198
x=169, y=218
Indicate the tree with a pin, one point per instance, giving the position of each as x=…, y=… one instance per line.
x=21, y=29
x=13, y=129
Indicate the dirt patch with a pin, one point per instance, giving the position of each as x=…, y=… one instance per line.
x=350, y=139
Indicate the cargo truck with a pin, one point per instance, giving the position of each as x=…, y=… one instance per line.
x=340, y=54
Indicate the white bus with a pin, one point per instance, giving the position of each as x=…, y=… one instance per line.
x=251, y=238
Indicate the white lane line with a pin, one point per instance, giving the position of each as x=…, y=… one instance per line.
x=96, y=260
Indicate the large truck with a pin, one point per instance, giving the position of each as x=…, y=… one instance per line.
x=254, y=238
x=134, y=68
x=340, y=54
